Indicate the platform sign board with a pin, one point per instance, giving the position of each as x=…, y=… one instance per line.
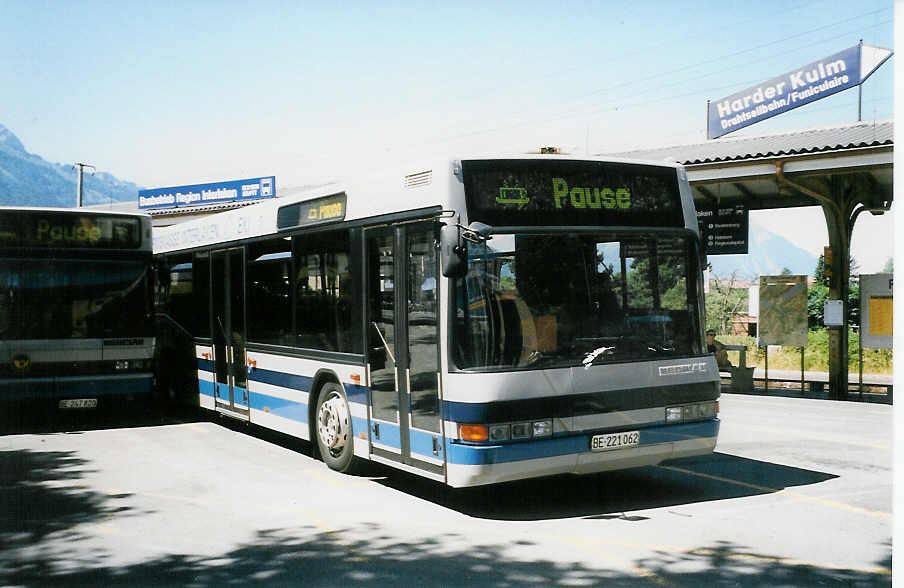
x=206, y=194
x=724, y=229
x=876, y=311
x=798, y=87
x=833, y=313
x=783, y=311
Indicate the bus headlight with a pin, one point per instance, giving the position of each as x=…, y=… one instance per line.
x=699, y=411
x=542, y=428
x=673, y=414
x=521, y=430
x=500, y=432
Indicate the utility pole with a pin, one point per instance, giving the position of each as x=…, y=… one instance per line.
x=860, y=89
x=81, y=168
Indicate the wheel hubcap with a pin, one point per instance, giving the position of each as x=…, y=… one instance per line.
x=332, y=423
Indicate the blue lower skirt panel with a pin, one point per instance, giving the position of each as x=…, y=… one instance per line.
x=462, y=454
x=122, y=385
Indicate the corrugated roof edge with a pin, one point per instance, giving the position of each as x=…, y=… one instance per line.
x=814, y=140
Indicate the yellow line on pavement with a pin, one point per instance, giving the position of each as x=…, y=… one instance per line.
x=785, y=492
x=751, y=557
x=824, y=438
x=635, y=570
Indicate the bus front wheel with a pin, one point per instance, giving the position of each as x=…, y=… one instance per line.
x=334, y=428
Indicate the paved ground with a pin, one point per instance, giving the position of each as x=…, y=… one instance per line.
x=797, y=494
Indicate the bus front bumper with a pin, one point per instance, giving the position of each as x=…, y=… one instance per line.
x=474, y=465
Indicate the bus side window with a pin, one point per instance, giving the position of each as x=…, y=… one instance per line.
x=269, y=292
x=322, y=287
x=178, y=291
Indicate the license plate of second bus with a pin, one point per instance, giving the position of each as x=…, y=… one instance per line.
x=612, y=441
x=79, y=403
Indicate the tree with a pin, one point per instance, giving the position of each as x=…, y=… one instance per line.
x=724, y=302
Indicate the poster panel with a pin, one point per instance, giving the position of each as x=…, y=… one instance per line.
x=783, y=311
x=876, y=311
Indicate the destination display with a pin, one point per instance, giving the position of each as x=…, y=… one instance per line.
x=201, y=194
x=54, y=229
x=580, y=193
x=312, y=212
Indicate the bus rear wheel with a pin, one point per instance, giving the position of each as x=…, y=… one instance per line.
x=334, y=428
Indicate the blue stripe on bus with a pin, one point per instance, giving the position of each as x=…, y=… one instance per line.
x=205, y=388
x=49, y=388
x=281, y=407
x=486, y=455
x=389, y=435
x=422, y=443
x=354, y=392
x=290, y=409
x=281, y=379
x=465, y=412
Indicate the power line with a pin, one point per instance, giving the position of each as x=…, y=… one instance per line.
x=574, y=112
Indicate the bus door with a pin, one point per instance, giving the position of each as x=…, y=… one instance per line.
x=228, y=330
x=403, y=346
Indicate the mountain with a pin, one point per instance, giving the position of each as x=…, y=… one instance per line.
x=768, y=254
x=28, y=180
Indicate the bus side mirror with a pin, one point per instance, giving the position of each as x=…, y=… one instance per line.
x=453, y=251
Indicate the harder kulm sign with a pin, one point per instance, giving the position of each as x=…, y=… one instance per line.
x=814, y=81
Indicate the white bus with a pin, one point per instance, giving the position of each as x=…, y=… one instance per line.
x=76, y=320
x=472, y=321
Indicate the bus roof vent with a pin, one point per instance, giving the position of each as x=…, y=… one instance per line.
x=423, y=178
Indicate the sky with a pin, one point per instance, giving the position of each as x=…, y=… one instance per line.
x=173, y=93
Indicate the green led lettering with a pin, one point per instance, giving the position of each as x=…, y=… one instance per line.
x=559, y=190
x=577, y=198
x=48, y=232
x=588, y=197
x=43, y=229
x=608, y=197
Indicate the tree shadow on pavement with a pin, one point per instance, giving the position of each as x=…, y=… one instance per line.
x=40, y=498
x=368, y=557
x=45, y=512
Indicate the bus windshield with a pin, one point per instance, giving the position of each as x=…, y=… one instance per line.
x=73, y=298
x=538, y=301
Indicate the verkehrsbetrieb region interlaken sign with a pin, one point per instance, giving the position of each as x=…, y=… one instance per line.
x=817, y=80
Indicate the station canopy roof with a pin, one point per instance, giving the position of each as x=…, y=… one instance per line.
x=857, y=156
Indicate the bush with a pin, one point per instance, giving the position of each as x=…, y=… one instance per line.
x=816, y=354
